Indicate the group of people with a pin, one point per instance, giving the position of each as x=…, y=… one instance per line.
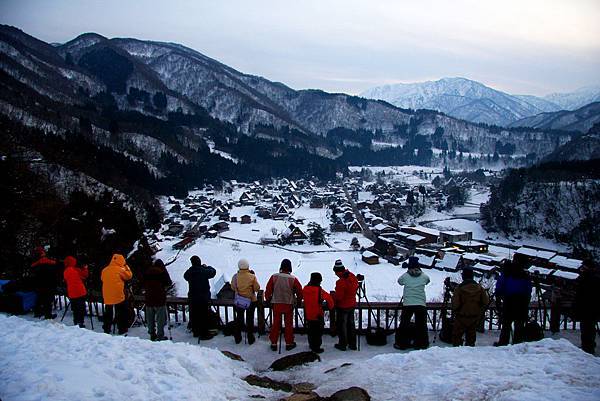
x=283, y=292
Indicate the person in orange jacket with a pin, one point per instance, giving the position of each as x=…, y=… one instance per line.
x=45, y=272
x=74, y=278
x=345, y=302
x=316, y=300
x=280, y=292
x=113, y=278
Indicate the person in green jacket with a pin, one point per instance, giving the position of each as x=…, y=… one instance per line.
x=414, y=282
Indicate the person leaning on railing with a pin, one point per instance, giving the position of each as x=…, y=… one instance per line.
x=114, y=276
x=245, y=285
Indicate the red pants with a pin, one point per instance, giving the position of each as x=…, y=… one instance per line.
x=287, y=312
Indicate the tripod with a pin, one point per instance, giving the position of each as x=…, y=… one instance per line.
x=361, y=292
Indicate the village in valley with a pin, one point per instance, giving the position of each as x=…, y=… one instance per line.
x=373, y=220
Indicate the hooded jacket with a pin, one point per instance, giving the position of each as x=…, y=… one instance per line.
x=345, y=290
x=197, y=277
x=113, y=280
x=156, y=282
x=245, y=284
x=414, y=282
x=469, y=299
x=45, y=272
x=74, y=278
x=312, y=308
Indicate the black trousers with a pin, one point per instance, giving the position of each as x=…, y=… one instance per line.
x=199, y=318
x=345, y=327
x=118, y=313
x=247, y=323
x=513, y=311
x=44, y=303
x=421, y=339
x=78, y=308
x=588, y=335
x=314, y=330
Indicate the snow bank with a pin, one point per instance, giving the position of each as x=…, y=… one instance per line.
x=49, y=361
x=545, y=370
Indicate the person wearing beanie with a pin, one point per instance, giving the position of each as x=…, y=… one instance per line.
x=245, y=284
x=468, y=303
x=413, y=303
x=113, y=279
x=281, y=290
x=75, y=280
x=198, y=276
x=316, y=301
x=345, y=303
x=45, y=274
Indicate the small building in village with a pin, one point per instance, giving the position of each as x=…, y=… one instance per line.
x=370, y=258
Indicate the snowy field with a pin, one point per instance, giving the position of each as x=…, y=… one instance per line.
x=41, y=360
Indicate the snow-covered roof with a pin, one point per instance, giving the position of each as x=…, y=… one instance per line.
x=381, y=227
x=426, y=230
x=415, y=237
x=452, y=232
x=469, y=243
x=563, y=261
x=482, y=267
x=540, y=270
x=425, y=260
x=535, y=253
x=566, y=275
x=450, y=261
x=368, y=254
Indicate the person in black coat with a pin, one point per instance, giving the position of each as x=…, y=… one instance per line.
x=586, y=304
x=197, y=277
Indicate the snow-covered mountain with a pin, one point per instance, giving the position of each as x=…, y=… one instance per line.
x=580, y=120
x=473, y=101
x=577, y=99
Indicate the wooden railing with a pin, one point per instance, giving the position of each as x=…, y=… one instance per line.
x=384, y=314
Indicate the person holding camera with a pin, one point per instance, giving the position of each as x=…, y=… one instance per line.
x=468, y=303
x=345, y=303
x=156, y=283
x=198, y=276
x=316, y=302
x=113, y=279
x=280, y=292
x=245, y=285
x=414, y=303
x=74, y=279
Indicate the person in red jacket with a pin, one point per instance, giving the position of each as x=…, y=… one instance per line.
x=45, y=280
x=316, y=300
x=280, y=292
x=74, y=278
x=345, y=302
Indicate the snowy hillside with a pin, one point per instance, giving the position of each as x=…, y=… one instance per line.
x=577, y=99
x=47, y=360
x=581, y=119
x=462, y=98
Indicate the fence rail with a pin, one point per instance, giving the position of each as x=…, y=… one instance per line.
x=383, y=314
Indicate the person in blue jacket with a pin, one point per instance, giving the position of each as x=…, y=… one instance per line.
x=197, y=277
x=513, y=288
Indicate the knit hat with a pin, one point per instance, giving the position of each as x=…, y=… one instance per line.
x=243, y=264
x=286, y=265
x=413, y=263
x=316, y=278
x=467, y=273
x=338, y=266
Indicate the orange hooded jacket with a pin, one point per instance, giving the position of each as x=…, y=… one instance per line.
x=74, y=277
x=113, y=280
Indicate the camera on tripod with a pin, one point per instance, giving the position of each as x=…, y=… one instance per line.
x=360, y=278
x=449, y=285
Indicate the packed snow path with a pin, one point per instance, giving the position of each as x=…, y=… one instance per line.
x=42, y=360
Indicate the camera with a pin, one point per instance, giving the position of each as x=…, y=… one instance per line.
x=360, y=277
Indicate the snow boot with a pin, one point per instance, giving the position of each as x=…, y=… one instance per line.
x=251, y=339
x=289, y=347
x=273, y=347
x=340, y=347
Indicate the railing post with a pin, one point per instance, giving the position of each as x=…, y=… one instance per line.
x=260, y=312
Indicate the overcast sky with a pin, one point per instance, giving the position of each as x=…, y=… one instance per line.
x=519, y=46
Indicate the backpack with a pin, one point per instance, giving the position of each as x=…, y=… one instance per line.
x=446, y=331
x=376, y=336
x=533, y=331
x=405, y=336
